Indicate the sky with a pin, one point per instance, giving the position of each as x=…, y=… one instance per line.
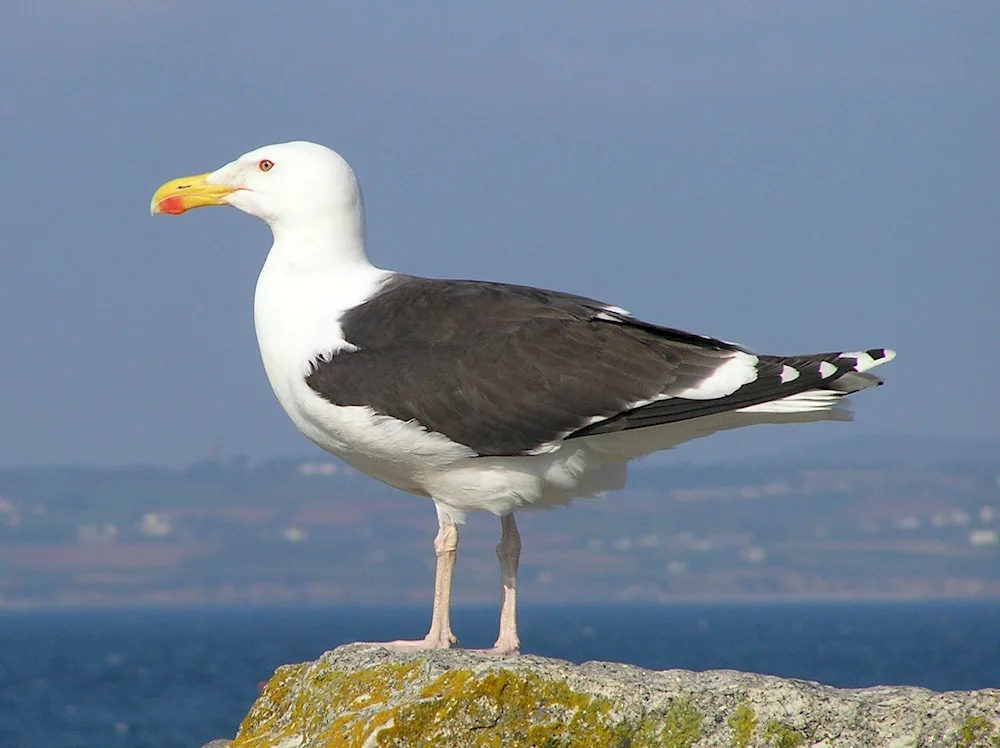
x=797, y=177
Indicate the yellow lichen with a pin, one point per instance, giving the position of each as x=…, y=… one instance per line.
x=499, y=707
x=677, y=727
x=372, y=686
x=743, y=723
x=272, y=707
x=781, y=735
x=277, y=713
x=978, y=731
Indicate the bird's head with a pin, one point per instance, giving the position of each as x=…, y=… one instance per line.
x=277, y=183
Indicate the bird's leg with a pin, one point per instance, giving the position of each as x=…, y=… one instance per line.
x=446, y=549
x=509, y=553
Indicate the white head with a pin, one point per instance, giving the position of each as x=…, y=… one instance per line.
x=288, y=185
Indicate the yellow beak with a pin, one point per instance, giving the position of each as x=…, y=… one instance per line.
x=180, y=195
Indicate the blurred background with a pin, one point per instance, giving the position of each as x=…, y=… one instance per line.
x=794, y=176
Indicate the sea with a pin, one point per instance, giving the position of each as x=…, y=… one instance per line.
x=177, y=678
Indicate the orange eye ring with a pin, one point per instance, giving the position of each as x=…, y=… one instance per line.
x=265, y=164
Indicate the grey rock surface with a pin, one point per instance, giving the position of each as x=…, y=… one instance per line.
x=363, y=696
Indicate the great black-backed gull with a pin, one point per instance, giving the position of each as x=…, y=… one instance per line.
x=479, y=396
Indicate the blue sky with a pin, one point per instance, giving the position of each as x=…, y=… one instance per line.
x=794, y=176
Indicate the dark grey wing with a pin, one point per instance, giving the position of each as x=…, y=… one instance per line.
x=507, y=370
x=501, y=369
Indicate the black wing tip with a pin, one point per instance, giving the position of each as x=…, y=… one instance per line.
x=881, y=353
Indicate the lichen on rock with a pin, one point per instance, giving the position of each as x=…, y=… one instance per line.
x=363, y=696
x=743, y=723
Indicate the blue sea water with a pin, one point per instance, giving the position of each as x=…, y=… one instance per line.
x=180, y=677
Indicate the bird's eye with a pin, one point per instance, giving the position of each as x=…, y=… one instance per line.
x=265, y=164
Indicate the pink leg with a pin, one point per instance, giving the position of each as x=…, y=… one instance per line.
x=509, y=553
x=440, y=636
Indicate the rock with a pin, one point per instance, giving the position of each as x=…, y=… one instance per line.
x=363, y=696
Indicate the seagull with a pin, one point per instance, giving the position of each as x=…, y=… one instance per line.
x=480, y=395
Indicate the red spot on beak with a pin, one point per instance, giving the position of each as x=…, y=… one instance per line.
x=172, y=205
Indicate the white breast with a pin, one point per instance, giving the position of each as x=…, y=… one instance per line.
x=297, y=317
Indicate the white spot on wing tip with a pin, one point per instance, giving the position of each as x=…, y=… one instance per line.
x=826, y=369
x=735, y=371
x=862, y=360
x=865, y=361
x=789, y=374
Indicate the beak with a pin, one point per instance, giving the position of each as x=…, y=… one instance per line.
x=180, y=195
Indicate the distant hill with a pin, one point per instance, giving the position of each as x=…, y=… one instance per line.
x=899, y=450
x=886, y=517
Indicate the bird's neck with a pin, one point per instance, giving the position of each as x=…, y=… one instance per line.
x=314, y=272
x=317, y=244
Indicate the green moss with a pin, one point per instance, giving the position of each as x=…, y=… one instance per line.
x=977, y=731
x=743, y=723
x=781, y=735
x=678, y=726
x=681, y=726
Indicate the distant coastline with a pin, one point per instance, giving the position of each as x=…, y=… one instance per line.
x=913, y=519
x=139, y=604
